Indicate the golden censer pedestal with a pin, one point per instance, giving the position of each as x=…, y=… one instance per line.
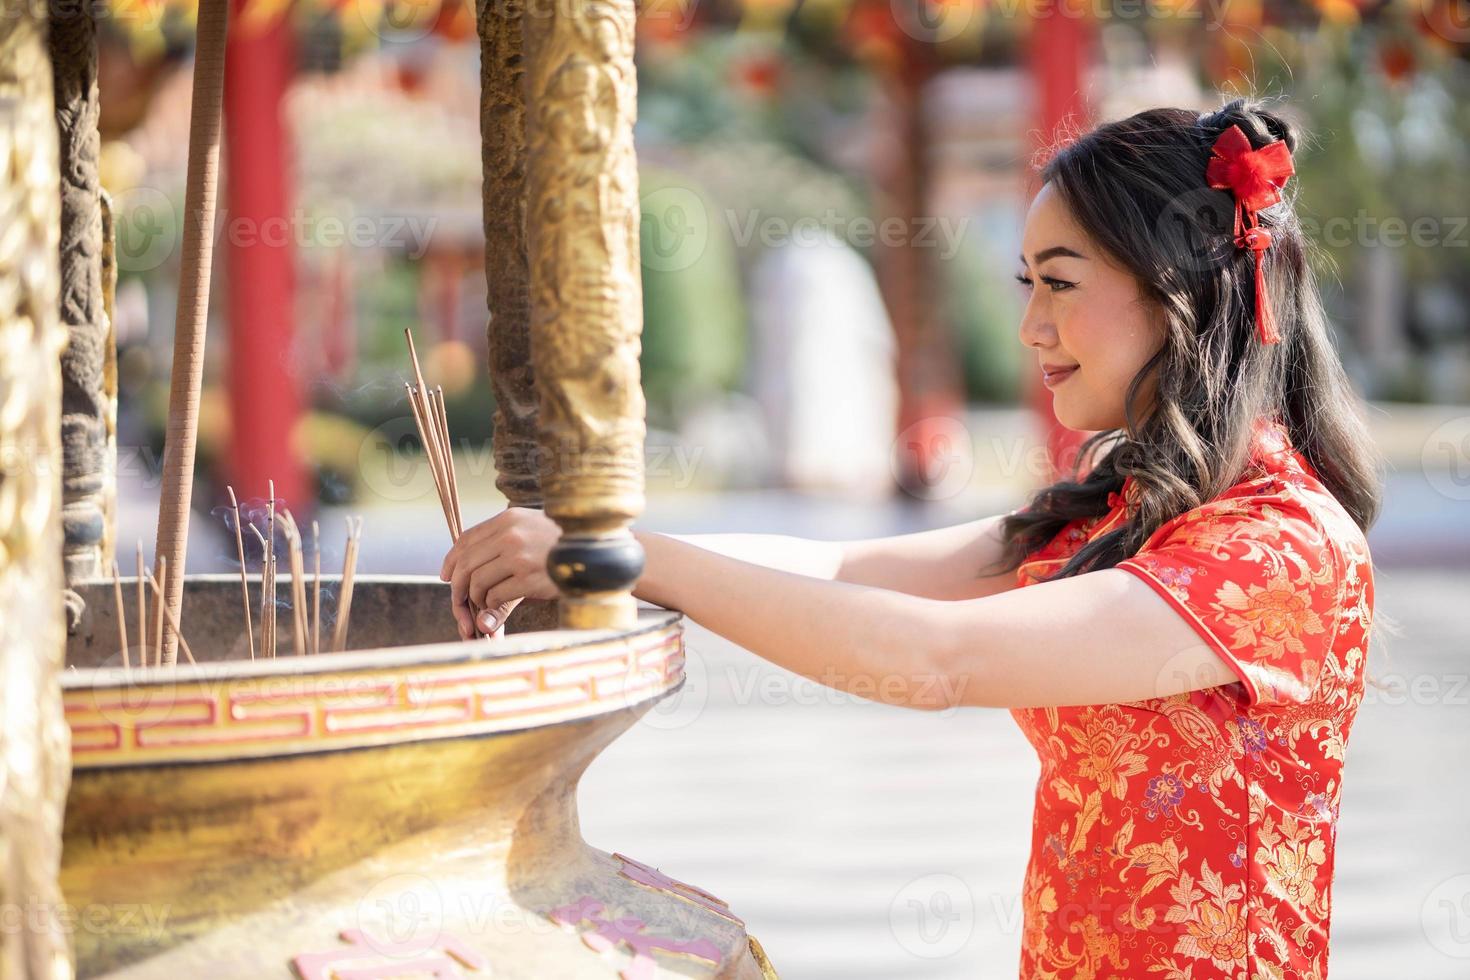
x=406, y=808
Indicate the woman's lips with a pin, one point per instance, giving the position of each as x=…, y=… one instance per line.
x=1053, y=376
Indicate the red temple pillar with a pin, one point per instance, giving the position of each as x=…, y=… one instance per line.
x=260, y=247
x=1060, y=51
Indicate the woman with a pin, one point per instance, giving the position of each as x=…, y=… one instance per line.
x=1180, y=631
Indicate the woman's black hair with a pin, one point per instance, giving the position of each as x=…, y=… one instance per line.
x=1137, y=189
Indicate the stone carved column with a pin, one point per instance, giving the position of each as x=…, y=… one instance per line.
x=84, y=429
x=582, y=216
x=35, y=751
x=507, y=272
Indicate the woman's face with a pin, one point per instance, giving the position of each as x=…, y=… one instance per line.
x=1087, y=319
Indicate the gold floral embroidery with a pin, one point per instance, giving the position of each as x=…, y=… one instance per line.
x=1190, y=837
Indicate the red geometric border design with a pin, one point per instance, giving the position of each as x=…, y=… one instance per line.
x=213, y=719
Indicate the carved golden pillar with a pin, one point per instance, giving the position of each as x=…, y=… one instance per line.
x=109, y=385
x=84, y=428
x=507, y=273
x=582, y=217
x=35, y=746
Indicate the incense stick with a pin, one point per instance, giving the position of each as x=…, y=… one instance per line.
x=264, y=590
x=298, y=584
x=173, y=623
x=158, y=584
x=448, y=462
x=420, y=418
x=316, y=587
x=142, y=613
x=244, y=583
x=273, y=611
x=122, y=619
x=344, y=597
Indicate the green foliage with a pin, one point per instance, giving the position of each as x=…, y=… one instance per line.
x=694, y=329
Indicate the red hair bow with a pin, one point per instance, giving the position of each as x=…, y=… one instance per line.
x=1255, y=177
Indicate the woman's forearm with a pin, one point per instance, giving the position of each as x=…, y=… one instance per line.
x=819, y=559
x=859, y=639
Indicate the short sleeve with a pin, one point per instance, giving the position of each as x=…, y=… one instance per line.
x=1259, y=581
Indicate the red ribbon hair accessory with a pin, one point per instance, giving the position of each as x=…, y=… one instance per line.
x=1255, y=177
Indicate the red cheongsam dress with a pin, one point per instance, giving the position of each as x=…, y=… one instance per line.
x=1191, y=837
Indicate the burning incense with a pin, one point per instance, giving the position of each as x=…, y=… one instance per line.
x=173, y=623
x=316, y=587
x=265, y=593
x=122, y=621
x=298, y=583
x=244, y=583
x=344, y=598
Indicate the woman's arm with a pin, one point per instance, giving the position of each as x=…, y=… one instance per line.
x=943, y=563
x=1103, y=637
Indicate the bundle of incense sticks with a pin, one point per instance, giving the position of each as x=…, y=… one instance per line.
x=433, y=426
x=306, y=622
x=429, y=416
x=146, y=577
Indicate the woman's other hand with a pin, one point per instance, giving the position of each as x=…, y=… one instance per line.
x=496, y=564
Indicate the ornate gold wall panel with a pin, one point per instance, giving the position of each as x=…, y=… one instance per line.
x=34, y=743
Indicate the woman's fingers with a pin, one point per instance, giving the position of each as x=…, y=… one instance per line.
x=493, y=618
x=479, y=560
x=484, y=578
x=464, y=619
x=472, y=538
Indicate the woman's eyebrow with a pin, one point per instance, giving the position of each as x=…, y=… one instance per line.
x=1055, y=252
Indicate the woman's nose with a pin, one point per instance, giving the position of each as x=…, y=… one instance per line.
x=1036, y=326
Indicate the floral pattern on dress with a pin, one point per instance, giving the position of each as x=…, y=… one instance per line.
x=1191, y=837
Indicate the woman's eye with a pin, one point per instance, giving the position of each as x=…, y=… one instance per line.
x=1055, y=285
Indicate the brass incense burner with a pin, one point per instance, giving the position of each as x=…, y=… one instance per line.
x=388, y=811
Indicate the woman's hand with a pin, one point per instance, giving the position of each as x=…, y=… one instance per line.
x=496, y=564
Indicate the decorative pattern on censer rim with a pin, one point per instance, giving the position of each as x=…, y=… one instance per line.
x=224, y=715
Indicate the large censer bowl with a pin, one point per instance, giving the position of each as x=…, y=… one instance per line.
x=406, y=808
